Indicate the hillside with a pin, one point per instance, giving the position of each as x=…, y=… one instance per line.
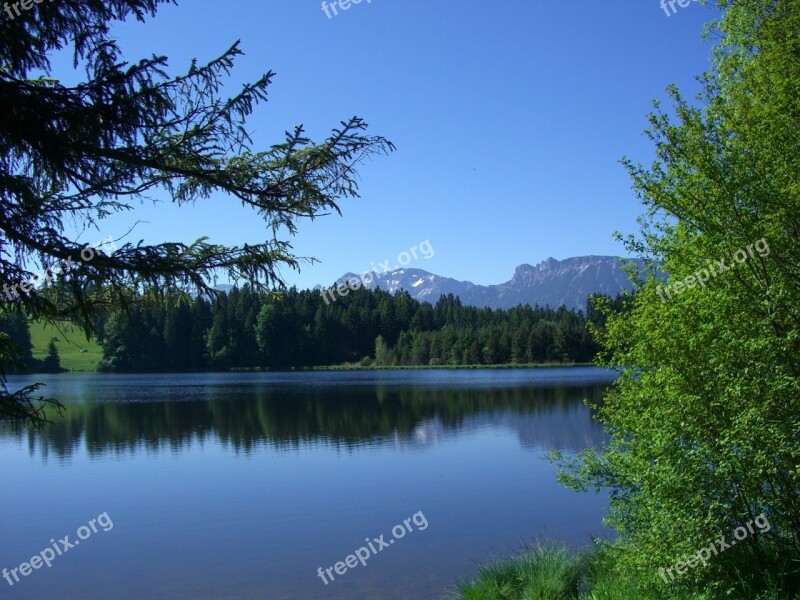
x=76, y=353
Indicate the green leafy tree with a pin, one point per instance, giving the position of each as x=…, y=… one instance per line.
x=76, y=153
x=384, y=356
x=705, y=420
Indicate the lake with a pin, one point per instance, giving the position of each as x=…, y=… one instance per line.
x=244, y=485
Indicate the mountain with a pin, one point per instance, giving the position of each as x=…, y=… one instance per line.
x=550, y=283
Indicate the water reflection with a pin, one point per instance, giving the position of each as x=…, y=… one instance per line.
x=248, y=417
x=242, y=485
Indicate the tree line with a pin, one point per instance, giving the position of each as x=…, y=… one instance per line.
x=246, y=329
x=15, y=325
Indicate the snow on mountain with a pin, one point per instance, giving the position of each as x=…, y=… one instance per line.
x=550, y=283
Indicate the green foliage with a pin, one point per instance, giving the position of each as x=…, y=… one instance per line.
x=551, y=572
x=73, y=154
x=77, y=354
x=384, y=355
x=51, y=362
x=21, y=405
x=14, y=324
x=705, y=420
x=249, y=329
x=539, y=573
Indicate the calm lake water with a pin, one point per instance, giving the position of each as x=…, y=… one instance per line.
x=243, y=485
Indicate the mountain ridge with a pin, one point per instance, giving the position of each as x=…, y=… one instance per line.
x=551, y=283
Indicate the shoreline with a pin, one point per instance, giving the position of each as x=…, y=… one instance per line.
x=332, y=368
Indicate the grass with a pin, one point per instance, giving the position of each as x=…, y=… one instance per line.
x=71, y=343
x=552, y=572
x=539, y=573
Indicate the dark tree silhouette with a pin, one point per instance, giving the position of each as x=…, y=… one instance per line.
x=84, y=151
x=52, y=362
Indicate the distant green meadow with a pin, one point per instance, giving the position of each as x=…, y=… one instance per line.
x=77, y=354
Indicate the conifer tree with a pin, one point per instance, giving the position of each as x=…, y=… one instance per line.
x=75, y=153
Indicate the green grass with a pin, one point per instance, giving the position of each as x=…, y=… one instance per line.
x=539, y=573
x=552, y=572
x=70, y=342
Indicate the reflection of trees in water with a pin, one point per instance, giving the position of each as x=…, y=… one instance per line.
x=341, y=417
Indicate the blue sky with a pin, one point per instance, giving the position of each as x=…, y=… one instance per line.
x=509, y=117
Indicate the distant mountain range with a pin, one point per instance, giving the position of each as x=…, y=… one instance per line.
x=550, y=283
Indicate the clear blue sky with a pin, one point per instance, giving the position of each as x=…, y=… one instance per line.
x=509, y=117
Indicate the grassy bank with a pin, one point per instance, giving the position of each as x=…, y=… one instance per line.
x=552, y=572
x=75, y=352
x=547, y=572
